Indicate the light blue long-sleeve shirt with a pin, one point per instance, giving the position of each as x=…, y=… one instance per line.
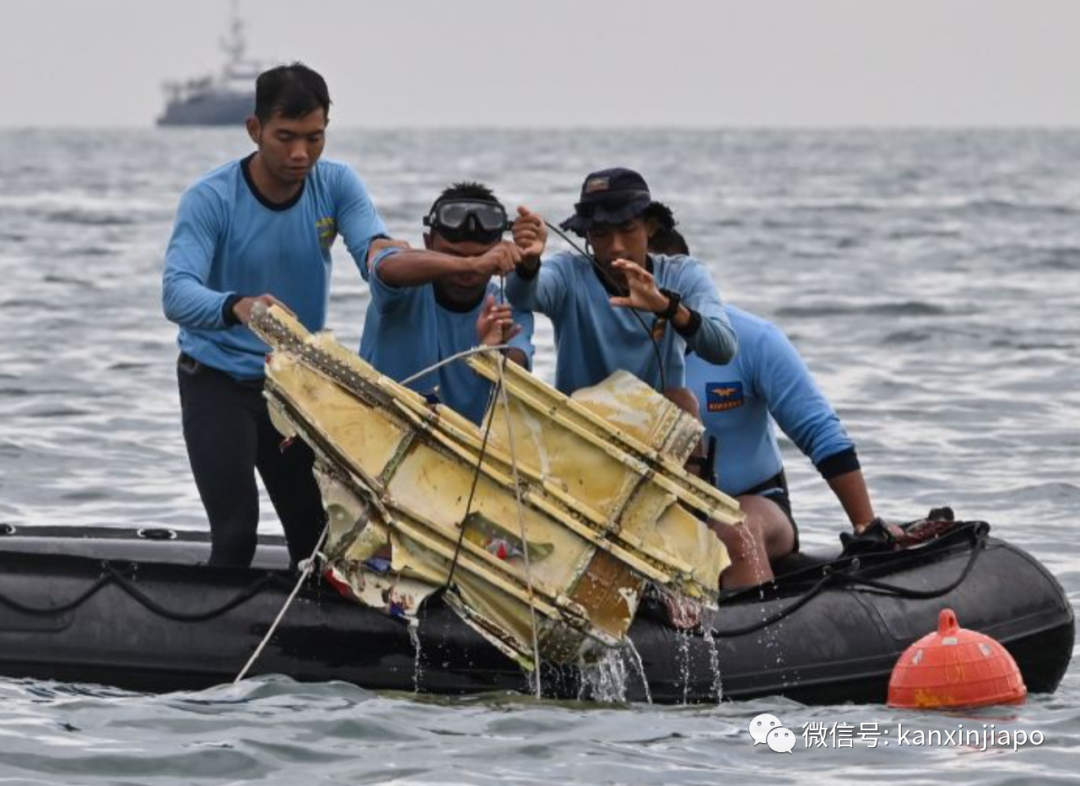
x=767, y=378
x=407, y=330
x=228, y=240
x=593, y=339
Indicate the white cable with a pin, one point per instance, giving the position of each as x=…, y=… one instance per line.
x=501, y=362
x=457, y=356
x=307, y=566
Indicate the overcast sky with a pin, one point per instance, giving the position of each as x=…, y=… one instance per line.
x=566, y=62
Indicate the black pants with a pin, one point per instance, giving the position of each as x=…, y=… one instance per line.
x=229, y=435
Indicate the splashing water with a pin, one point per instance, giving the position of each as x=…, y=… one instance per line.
x=769, y=637
x=760, y=577
x=683, y=639
x=418, y=664
x=775, y=644
x=714, y=663
x=635, y=660
x=532, y=680
x=604, y=679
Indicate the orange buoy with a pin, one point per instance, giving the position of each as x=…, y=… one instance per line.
x=955, y=668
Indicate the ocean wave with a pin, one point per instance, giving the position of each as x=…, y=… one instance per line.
x=907, y=308
x=54, y=278
x=89, y=217
x=870, y=204
x=1066, y=258
x=907, y=337
x=999, y=206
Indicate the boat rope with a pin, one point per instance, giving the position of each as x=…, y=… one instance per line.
x=885, y=588
x=848, y=575
x=111, y=575
x=42, y=611
x=307, y=567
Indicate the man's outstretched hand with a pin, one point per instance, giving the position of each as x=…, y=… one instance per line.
x=643, y=294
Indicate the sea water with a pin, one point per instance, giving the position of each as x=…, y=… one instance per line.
x=930, y=279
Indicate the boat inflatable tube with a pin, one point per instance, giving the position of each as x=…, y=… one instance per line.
x=139, y=609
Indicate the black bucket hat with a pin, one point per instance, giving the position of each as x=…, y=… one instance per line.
x=610, y=196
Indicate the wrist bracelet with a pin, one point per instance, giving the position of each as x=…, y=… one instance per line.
x=526, y=273
x=674, y=299
x=692, y=325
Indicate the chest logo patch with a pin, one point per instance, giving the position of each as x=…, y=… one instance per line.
x=327, y=229
x=722, y=396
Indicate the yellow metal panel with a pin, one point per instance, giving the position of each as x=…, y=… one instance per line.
x=604, y=496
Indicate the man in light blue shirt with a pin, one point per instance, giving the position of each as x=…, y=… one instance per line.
x=626, y=308
x=258, y=230
x=768, y=381
x=428, y=306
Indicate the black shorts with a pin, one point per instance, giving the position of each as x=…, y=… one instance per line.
x=776, y=490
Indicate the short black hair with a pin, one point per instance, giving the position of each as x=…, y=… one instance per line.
x=290, y=90
x=669, y=242
x=666, y=239
x=466, y=189
x=661, y=214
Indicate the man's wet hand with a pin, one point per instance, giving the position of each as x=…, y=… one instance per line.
x=893, y=529
x=499, y=260
x=530, y=234
x=244, y=307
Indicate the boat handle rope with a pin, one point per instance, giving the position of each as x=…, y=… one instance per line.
x=111, y=575
x=846, y=576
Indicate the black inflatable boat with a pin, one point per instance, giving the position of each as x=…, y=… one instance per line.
x=136, y=609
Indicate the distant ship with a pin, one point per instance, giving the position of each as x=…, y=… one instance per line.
x=226, y=99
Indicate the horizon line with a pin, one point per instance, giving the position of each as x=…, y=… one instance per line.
x=994, y=126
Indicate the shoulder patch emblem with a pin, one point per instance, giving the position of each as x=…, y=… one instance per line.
x=722, y=396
